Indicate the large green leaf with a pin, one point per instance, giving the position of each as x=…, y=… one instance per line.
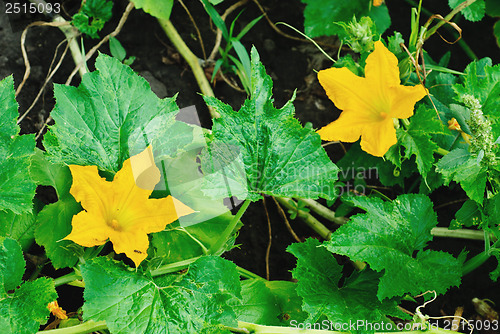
x=54, y=223
x=26, y=309
x=189, y=303
x=45, y=173
x=390, y=237
x=112, y=115
x=16, y=187
x=22, y=311
x=11, y=263
x=322, y=17
x=318, y=275
x=19, y=227
x=158, y=8
x=264, y=150
x=271, y=303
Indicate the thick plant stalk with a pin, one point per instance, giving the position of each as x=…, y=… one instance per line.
x=315, y=224
x=86, y=327
x=191, y=59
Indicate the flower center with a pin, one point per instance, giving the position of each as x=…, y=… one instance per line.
x=115, y=225
x=383, y=115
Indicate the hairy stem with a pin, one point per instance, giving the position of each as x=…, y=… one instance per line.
x=86, y=327
x=191, y=59
x=229, y=229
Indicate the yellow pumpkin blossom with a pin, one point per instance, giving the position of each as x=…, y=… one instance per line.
x=377, y=3
x=120, y=211
x=56, y=310
x=369, y=104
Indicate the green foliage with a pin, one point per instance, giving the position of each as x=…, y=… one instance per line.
x=390, y=237
x=25, y=309
x=322, y=17
x=190, y=303
x=269, y=303
x=54, y=223
x=16, y=187
x=92, y=16
x=318, y=275
x=474, y=12
x=18, y=227
x=158, y=8
x=264, y=150
x=417, y=139
x=112, y=115
x=461, y=166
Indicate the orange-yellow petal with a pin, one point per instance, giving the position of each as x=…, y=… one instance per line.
x=403, y=99
x=89, y=230
x=382, y=69
x=346, y=128
x=133, y=244
x=376, y=140
x=347, y=91
x=90, y=189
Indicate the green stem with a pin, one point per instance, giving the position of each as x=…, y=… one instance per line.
x=248, y=274
x=229, y=229
x=444, y=232
x=306, y=217
x=448, y=17
x=324, y=212
x=191, y=59
x=479, y=259
x=67, y=279
x=173, y=267
x=87, y=327
x=441, y=151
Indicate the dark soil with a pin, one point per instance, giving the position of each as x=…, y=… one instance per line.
x=291, y=64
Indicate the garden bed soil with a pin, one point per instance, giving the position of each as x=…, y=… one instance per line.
x=291, y=64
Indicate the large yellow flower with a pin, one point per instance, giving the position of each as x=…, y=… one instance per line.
x=119, y=211
x=369, y=104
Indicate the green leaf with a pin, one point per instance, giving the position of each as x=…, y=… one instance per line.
x=54, y=223
x=321, y=17
x=116, y=49
x=45, y=173
x=479, y=79
x=92, y=16
x=16, y=187
x=474, y=12
x=191, y=303
x=417, y=139
x=318, y=275
x=26, y=309
x=23, y=311
x=387, y=237
x=112, y=115
x=11, y=263
x=496, y=32
x=271, y=303
x=18, y=227
x=461, y=166
x=158, y=8
x=468, y=215
x=264, y=150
